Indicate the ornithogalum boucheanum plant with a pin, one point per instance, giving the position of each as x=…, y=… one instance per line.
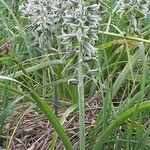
x=79, y=33
x=75, y=21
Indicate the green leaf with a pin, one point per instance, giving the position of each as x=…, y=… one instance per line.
x=48, y=112
x=144, y=106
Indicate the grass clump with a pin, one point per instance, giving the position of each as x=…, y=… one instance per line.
x=84, y=65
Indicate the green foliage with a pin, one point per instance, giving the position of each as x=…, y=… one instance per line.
x=60, y=56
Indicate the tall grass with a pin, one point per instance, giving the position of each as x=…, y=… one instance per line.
x=55, y=68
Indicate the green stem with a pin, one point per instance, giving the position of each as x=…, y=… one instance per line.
x=124, y=37
x=143, y=106
x=81, y=99
x=81, y=93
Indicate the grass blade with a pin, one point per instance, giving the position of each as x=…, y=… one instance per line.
x=48, y=112
x=144, y=106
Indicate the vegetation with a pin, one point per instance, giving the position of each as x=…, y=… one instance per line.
x=74, y=74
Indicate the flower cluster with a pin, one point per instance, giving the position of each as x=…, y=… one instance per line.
x=45, y=16
x=77, y=21
x=123, y=6
x=42, y=12
x=80, y=22
x=136, y=10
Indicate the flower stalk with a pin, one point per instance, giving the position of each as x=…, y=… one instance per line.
x=81, y=98
x=80, y=22
x=81, y=105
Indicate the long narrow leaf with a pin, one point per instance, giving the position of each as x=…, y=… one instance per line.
x=144, y=106
x=124, y=73
x=37, y=67
x=48, y=112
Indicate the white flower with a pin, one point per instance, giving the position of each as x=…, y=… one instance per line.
x=81, y=20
